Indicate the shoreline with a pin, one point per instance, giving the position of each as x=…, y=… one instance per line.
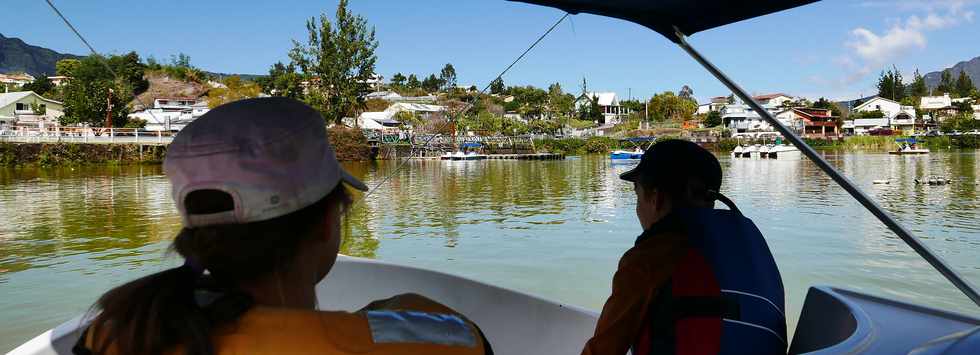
x=350, y=147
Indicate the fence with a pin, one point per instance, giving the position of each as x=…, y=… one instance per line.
x=86, y=135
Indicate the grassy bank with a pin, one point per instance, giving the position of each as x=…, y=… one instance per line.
x=349, y=144
x=53, y=154
x=602, y=145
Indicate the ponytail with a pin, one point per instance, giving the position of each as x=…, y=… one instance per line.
x=180, y=307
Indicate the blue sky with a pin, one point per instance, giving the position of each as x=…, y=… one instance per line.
x=831, y=48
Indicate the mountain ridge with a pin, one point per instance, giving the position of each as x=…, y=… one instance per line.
x=19, y=56
x=972, y=68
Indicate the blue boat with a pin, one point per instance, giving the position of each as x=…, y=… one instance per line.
x=625, y=155
x=637, y=152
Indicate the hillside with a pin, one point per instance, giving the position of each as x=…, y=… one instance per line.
x=162, y=86
x=972, y=68
x=18, y=56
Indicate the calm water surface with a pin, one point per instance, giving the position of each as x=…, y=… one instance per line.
x=553, y=228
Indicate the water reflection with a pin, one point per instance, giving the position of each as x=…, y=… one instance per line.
x=553, y=228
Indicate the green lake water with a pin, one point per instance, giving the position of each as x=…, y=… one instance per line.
x=552, y=228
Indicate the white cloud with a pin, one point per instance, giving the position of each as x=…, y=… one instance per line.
x=870, y=51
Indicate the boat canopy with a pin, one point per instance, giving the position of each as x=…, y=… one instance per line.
x=688, y=16
x=639, y=139
x=470, y=145
x=906, y=140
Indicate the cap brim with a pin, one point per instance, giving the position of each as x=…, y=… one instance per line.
x=632, y=175
x=352, y=181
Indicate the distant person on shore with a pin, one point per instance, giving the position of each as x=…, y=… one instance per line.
x=697, y=280
x=261, y=195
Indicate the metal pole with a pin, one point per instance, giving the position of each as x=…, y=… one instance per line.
x=841, y=180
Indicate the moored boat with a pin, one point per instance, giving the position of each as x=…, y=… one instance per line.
x=626, y=154
x=908, y=146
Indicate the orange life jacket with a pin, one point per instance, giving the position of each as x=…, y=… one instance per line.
x=285, y=331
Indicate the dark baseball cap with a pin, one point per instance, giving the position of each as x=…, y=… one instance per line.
x=672, y=162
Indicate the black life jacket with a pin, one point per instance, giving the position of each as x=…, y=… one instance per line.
x=725, y=295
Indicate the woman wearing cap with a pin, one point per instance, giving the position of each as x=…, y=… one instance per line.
x=698, y=280
x=261, y=196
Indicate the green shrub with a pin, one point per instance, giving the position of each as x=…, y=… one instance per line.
x=349, y=144
x=599, y=145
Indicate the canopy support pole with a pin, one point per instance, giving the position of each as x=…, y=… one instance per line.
x=841, y=180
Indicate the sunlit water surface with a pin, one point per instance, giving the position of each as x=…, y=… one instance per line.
x=552, y=228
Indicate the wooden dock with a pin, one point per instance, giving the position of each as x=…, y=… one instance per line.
x=535, y=156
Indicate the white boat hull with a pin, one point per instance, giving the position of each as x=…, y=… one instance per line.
x=514, y=322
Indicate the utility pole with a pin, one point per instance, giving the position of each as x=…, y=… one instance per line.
x=108, y=112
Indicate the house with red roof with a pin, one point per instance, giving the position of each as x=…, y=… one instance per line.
x=811, y=122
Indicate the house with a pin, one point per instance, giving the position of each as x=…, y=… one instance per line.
x=976, y=112
x=612, y=111
x=59, y=80
x=387, y=118
x=171, y=113
x=863, y=126
x=771, y=101
x=939, y=107
x=382, y=95
x=715, y=105
x=888, y=107
x=27, y=109
x=810, y=122
x=16, y=79
x=742, y=121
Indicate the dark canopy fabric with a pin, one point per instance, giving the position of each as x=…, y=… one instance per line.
x=690, y=16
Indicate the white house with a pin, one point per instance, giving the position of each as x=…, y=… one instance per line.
x=773, y=101
x=715, y=105
x=16, y=79
x=59, y=80
x=742, y=121
x=171, y=114
x=936, y=102
x=28, y=109
x=939, y=107
x=386, y=118
x=888, y=107
x=612, y=111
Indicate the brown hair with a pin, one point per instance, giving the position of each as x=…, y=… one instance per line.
x=180, y=306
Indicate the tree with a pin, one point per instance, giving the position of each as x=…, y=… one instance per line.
x=413, y=82
x=236, y=89
x=497, y=86
x=93, y=94
x=41, y=85
x=667, y=106
x=686, y=93
x=130, y=69
x=730, y=99
x=890, y=85
x=827, y=104
x=964, y=85
x=66, y=67
x=712, y=119
x=398, y=80
x=431, y=83
x=918, y=87
x=338, y=60
x=448, y=77
x=283, y=80
x=946, y=85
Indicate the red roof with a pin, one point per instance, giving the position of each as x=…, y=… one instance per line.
x=769, y=96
